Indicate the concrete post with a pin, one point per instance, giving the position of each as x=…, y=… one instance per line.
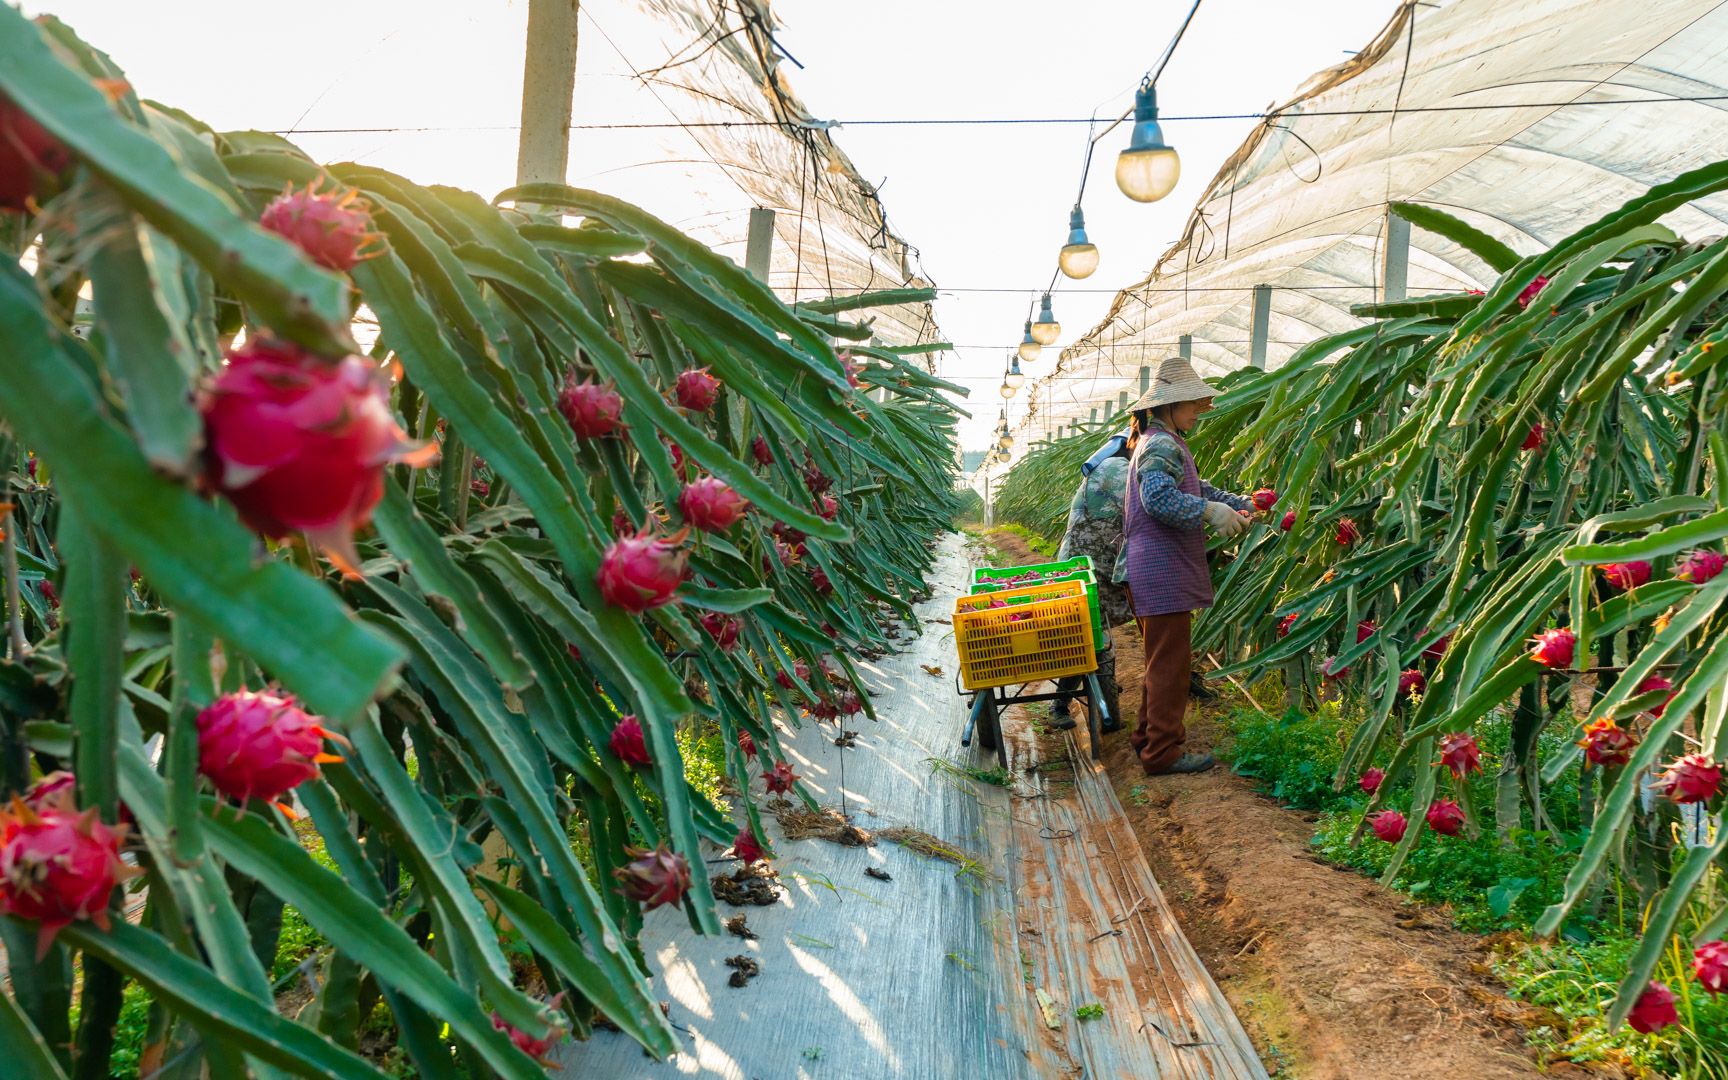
x=1185, y=346
x=1258, y=328
x=1395, y=265
x=759, y=248
x=548, y=87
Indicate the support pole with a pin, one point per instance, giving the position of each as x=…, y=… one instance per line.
x=548, y=89
x=1145, y=380
x=1185, y=346
x=759, y=248
x=1395, y=266
x=1094, y=419
x=1257, y=330
x=1122, y=403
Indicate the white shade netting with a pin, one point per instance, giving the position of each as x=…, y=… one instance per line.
x=1527, y=120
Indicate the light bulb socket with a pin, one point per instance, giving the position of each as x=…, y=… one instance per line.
x=1146, y=134
x=1077, y=227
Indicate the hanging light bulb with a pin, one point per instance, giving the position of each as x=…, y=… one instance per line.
x=1029, y=347
x=1147, y=171
x=1046, y=329
x=1005, y=441
x=1014, y=378
x=1079, y=255
x=1002, y=456
x=1008, y=389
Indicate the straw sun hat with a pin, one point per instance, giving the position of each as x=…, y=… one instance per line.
x=1174, y=381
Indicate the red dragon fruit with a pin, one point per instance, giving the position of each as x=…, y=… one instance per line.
x=785, y=680
x=819, y=581
x=334, y=228
x=1654, y=1009
x=58, y=865
x=745, y=847
x=711, y=505
x=299, y=444
x=55, y=791
x=1459, y=752
x=1537, y=435
x=480, y=487
x=1389, y=825
x=1529, y=292
x=1607, y=743
x=1289, y=521
x=31, y=160
x=696, y=390
x=823, y=708
x=642, y=571
x=1332, y=670
x=593, y=410
x=1365, y=630
x=1691, y=779
x=852, y=369
x=1347, y=533
x=654, y=877
x=746, y=744
x=528, y=1044
x=1445, y=817
x=677, y=453
x=760, y=451
x=1411, y=682
x=849, y=703
x=1626, y=575
x=1287, y=622
x=1371, y=780
x=814, y=479
x=1651, y=686
x=50, y=594
x=1699, y=566
x=1437, y=648
x=723, y=629
x=1264, y=499
x=628, y=743
x=779, y=779
x=1554, y=648
x=259, y=744
x=1710, y=965
x=621, y=524
x=827, y=508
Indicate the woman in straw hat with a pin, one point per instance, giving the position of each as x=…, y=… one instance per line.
x=1168, y=510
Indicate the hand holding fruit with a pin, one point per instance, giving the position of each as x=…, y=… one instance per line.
x=1225, y=520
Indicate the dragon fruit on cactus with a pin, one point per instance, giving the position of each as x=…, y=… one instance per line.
x=1347, y=533
x=1437, y=648
x=819, y=581
x=1289, y=521
x=1699, y=566
x=31, y=160
x=1264, y=499
x=259, y=744
x=528, y=1044
x=1445, y=817
x=57, y=865
x=746, y=744
x=779, y=779
x=1710, y=966
x=826, y=507
x=850, y=704
x=1371, y=780
x=745, y=847
x=299, y=444
x=1389, y=825
x=823, y=708
x=1529, y=291
x=1331, y=669
x=1537, y=435
x=593, y=410
x=1554, y=648
x=334, y=228
x=1365, y=630
x=696, y=390
x=642, y=571
x=760, y=451
x=1459, y=752
x=1411, y=682
x=1607, y=743
x=723, y=629
x=814, y=480
x=785, y=680
x=1691, y=779
x=1626, y=575
x=1654, y=1009
x=628, y=743
x=1651, y=686
x=654, y=877
x=1287, y=622
x=677, y=454
x=711, y=505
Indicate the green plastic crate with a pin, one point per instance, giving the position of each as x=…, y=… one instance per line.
x=1079, y=568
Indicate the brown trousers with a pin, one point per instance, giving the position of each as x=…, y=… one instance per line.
x=1160, y=733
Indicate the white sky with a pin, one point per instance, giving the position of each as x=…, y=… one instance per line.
x=987, y=206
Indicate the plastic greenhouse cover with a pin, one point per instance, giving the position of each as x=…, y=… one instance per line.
x=1301, y=205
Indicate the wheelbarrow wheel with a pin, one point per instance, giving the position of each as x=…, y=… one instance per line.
x=988, y=735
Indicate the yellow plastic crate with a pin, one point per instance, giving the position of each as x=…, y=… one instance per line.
x=1051, y=637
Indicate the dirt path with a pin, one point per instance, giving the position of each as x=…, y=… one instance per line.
x=1335, y=977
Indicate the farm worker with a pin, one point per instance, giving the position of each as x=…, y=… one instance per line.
x=1167, y=511
x=1095, y=530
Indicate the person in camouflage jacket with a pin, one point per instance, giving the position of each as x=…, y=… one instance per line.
x=1095, y=530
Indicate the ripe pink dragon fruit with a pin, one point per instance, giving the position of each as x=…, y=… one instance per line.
x=259, y=744
x=1691, y=779
x=1365, y=630
x=50, y=593
x=745, y=847
x=779, y=779
x=53, y=792
x=621, y=524
x=1710, y=965
x=1371, y=780
x=827, y=508
x=1699, y=566
x=1411, y=681
x=1626, y=575
x=653, y=878
x=760, y=451
x=1445, y=817
x=1607, y=743
x=1554, y=648
x=1289, y=521
x=823, y=708
x=1331, y=669
x=1264, y=499
x=850, y=704
x=1529, y=292
x=31, y=160
x=785, y=680
x=711, y=505
x=642, y=571
x=1653, y=684
x=746, y=744
x=1389, y=825
x=628, y=743
x=299, y=444
x=1437, y=648
x=696, y=390
x=1347, y=533
x=480, y=487
x=1537, y=435
x=819, y=581
x=528, y=1044
x=58, y=865
x=334, y=228
x=814, y=480
x=1287, y=622
x=593, y=410
x=1654, y=1009
x=1459, y=752
x=724, y=629
x=677, y=453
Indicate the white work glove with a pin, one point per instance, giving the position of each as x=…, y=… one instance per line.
x=1225, y=521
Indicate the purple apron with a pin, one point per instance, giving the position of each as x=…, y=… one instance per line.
x=1166, y=567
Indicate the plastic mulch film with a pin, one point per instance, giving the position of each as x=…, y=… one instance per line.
x=1301, y=205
